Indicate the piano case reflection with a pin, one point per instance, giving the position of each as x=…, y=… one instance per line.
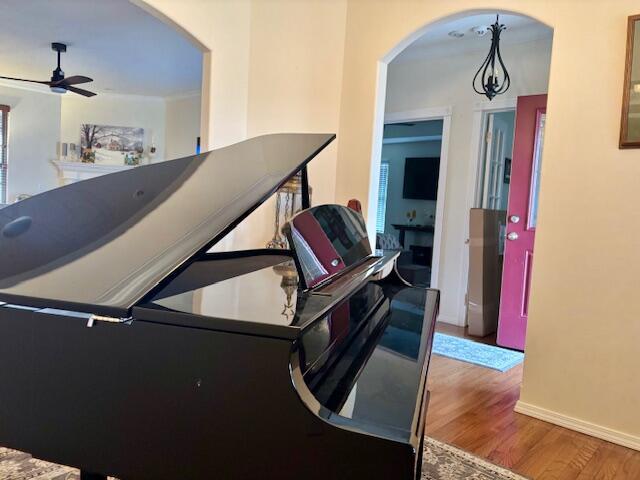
x=129, y=349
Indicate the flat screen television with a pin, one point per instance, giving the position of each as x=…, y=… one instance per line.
x=421, y=178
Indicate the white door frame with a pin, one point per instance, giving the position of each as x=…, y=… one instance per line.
x=435, y=113
x=480, y=111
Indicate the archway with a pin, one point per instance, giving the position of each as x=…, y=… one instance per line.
x=128, y=66
x=205, y=117
x=448, y=242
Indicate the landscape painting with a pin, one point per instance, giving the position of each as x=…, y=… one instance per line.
x=109, y=145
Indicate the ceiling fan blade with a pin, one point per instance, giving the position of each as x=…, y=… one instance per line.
x=80, y=91
x=44, y=82
x=74, y=80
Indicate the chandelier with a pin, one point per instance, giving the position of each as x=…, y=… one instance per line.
x=289, y=201
x=492, y=79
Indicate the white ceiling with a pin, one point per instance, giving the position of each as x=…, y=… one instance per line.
x=436, y=40
x=123, y=48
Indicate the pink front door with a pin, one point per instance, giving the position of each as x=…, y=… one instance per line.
x=522, y=214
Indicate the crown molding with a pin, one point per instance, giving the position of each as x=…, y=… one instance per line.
x=122, y=96
x=467, y=46
x=30, y=87
x=183, y=95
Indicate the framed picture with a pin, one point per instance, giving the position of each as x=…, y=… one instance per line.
x=630, y=124
x=111, y=145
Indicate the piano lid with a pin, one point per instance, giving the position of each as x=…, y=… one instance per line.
x=102, y=244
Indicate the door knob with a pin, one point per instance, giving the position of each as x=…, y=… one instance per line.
x=514, y=218
x=512, y=236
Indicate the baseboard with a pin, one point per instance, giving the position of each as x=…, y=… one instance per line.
x=598, y=431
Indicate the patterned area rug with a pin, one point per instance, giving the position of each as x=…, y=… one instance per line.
x=497, y=358
x=440, y=462
x=16, y=465
x=444, y=462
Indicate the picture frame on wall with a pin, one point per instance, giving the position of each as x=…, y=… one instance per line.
x=630, y=122
x=111, y=145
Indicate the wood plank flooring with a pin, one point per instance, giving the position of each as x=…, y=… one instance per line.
x=471, y=407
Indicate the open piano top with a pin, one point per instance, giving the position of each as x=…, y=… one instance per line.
x=129, y=349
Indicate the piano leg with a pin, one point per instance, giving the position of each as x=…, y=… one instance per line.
x=84, y=475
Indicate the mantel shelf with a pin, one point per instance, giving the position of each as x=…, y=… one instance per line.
x=75, y=171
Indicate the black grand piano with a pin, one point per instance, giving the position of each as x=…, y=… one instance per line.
x=129, y=349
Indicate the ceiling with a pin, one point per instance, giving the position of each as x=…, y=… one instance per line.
x=123, y=48
x=436, y=41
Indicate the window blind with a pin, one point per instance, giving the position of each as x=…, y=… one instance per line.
x=382, y=197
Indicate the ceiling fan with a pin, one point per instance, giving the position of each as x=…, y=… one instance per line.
x=59, y=83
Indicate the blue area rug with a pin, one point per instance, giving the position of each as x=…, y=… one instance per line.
x=477, y=353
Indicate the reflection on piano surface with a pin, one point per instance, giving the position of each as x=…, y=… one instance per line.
x=327, y=240
x=130, y=350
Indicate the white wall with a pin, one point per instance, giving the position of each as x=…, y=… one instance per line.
x=222, y=29
x=182, y=126
x=446, y=81
x=272, y=66
x=582, y=333
x=34, y=129
x=397, y=207
x=38, y=121
x=586, y=326
x=294, y=86
x=115, y=110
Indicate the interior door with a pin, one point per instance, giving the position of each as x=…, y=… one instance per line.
x=522, y=215
x=494, y=163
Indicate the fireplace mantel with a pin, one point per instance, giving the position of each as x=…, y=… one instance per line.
x=71, y=172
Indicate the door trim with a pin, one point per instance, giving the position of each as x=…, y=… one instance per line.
x=481, y=110
x=421, y=115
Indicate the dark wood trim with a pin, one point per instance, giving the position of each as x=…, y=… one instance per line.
x=624, y=143
x=5, y=108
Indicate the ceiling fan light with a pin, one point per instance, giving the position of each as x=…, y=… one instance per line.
x=58, y=89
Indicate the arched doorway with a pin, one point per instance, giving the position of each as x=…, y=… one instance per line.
x=205, y=118
x=427, y=76
x=130, y=67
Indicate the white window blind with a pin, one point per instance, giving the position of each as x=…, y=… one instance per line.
x=4, y=116
x=382, y=197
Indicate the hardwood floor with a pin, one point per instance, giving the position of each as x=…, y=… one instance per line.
x=472, y=408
